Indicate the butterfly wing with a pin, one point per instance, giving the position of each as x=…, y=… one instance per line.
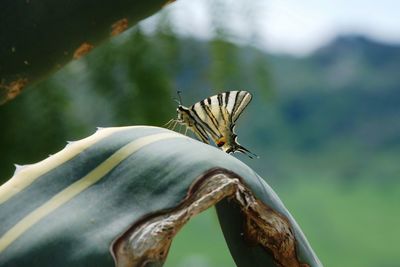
x=237, y=102
x=215, y=117
x=200, y=132
x=218, y=114
x=189, y=118
x=228, y=106
x=204, y=116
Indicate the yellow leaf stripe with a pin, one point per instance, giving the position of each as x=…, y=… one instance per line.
x=29, y=174
x=80, y=185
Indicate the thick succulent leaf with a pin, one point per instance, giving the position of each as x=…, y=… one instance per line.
x=38, y=37
x=70, y=209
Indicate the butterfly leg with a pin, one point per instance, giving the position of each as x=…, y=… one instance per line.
x=173, y=125
x=168, y=124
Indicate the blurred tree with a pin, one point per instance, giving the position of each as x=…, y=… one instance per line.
x=225, y=71
x=133, y=76
x=128, y=80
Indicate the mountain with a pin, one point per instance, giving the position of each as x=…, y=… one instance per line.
x=348, y=61
x=338, y=110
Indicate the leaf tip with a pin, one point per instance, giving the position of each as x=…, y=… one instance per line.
x=19, y=168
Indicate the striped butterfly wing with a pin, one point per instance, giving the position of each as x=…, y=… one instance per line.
x=237, y=102
x=190, y=118
x=200, y=132
x=204, y=113
x=218, y=114
x=216, y=117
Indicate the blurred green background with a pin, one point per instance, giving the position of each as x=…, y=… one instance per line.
x=325, y=124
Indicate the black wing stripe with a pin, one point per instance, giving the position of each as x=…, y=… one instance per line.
x=243, y=104
x=239, y=98
x=201, y=133
x=210, y=114
x=199, y=121
x=216, y=122
x=219, y=96
x=231, y=102
x=220, y=104
x=235, y=104
x=199, y=130
x=226, y=99
x=196, y=127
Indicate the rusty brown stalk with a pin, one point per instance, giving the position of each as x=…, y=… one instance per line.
x=148, y=241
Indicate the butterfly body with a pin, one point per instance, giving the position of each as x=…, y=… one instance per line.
x=215, y=117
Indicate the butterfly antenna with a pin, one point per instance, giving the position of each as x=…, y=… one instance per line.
x=176, y=100
x=179, y=96
x=179, y=99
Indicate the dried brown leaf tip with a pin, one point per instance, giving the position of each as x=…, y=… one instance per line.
x=82, y=50
x=119, y=26
x=149, y=240
x=13, y=89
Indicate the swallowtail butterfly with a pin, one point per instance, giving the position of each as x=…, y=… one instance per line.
x=215, y=118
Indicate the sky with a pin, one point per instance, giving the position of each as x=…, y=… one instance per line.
x=287, y=26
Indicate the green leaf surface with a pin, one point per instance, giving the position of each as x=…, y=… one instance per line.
x=38, y=37
x=68, y=209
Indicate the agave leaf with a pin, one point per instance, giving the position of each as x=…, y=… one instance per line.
x=39, y=37
x=118, y=197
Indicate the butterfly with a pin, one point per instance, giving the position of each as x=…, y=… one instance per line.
x=215, y=118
